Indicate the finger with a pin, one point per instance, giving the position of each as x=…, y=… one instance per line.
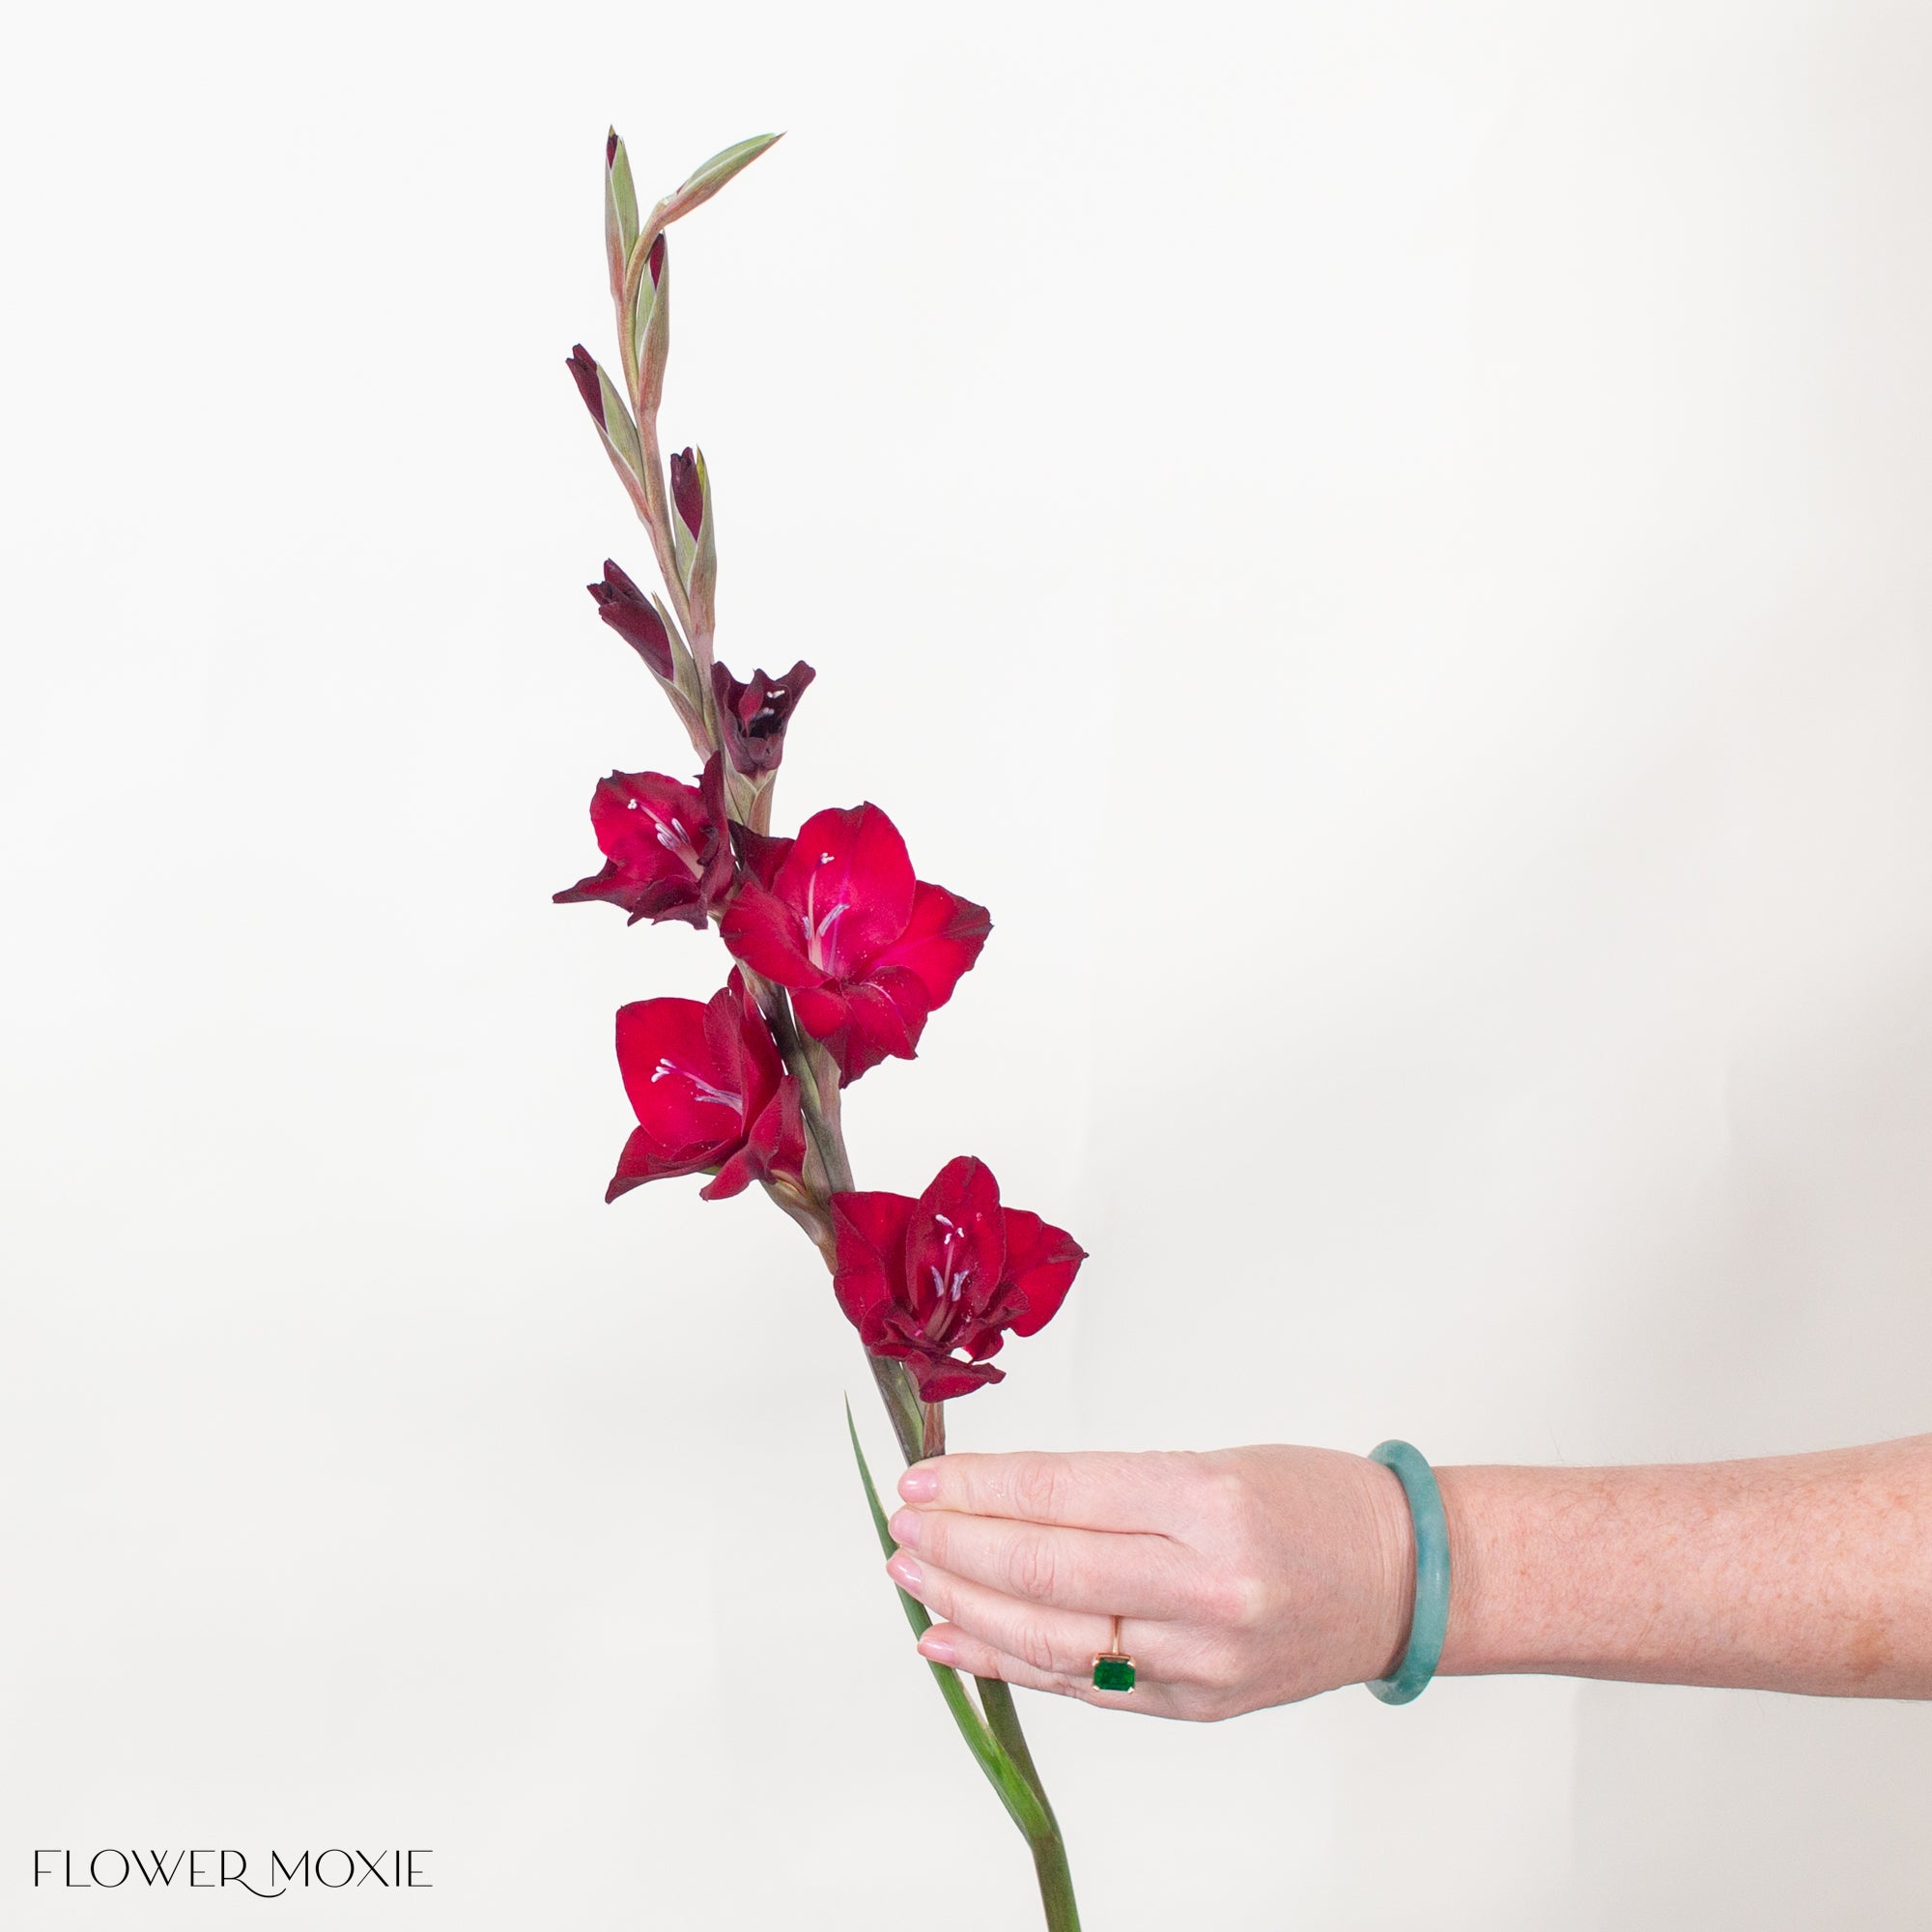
x=1089, y=1489
x=1054, y=1642
x=1131, y=1576
x=947, y=1643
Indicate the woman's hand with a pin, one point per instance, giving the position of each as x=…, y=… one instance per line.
x=1244, y=1578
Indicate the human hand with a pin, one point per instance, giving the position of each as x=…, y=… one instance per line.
x=1244, y=1578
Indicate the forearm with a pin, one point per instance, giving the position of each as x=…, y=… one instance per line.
x=1790, y=1573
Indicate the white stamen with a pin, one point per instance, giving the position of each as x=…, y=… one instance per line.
x=705, y=1092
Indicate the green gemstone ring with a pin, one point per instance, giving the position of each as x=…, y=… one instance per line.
x=1114, y=1669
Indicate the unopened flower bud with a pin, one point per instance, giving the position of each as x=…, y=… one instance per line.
x=686, y=490
x=633, y=618
x=583, y=367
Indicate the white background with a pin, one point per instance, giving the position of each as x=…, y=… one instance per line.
x=1386, y=542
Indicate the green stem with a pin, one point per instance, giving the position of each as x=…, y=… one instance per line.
x=1049, y=1848
x=902, y=1405
x=1010, y=1773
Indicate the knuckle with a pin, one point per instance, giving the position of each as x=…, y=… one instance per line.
x=935, y=1538
x=1228, y=1598
x=1037, y=1486
x=1031, y=1567
x=1227, y=1502
x=1219, y=1672
x=1034, y=1647
x=1201, y=1702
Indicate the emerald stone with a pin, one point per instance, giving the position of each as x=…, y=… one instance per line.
x=1112, y=1673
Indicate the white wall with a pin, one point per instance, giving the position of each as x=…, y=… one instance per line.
x=1386, y=543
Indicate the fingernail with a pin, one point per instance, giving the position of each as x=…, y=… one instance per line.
x=905, y=1572
x=920, y=1485
x=938, y=1650
x=904, y=1529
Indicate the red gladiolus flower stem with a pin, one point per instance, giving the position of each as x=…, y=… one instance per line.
x=946, y=936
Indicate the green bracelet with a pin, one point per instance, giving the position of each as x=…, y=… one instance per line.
x=1429, y=1625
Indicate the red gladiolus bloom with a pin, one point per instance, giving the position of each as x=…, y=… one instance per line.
x=866, y=950
x=666, y=848
x=709, y=1090
x=937, y=1281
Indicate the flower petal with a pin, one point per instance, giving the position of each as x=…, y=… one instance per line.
x=676, y=1085
x=761, y=857
x=666, y=899
x=824, y=1012
x=885, y=1018
x=942, y=938
x=741, y=1044
x=941, y=1377
x=1042, y=1262
x=774, y=1149
x=868, y=1237
x=643, y=1159
x=721, y=868
x=762, y=932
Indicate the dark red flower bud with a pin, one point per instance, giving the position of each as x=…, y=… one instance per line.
x=710, y=1091
x=610, y=147
x=686, y=490
x=588, y=383
x=866, y=949
x=754, y=715
x=938, y=1280
x=633, y=618
x=656, y=259
x=666, y=848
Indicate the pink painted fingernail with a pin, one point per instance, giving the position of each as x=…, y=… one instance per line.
x=904, y=1572
x=938, y=1650
x=920, y=1485
x=904, y=1529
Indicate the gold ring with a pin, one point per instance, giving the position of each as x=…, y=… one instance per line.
x=1113, y=1668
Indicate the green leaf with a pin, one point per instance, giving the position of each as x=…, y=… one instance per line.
x=1016, y=1794
x=704, y=181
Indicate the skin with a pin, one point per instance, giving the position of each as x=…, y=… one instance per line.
x=1246, y=1577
